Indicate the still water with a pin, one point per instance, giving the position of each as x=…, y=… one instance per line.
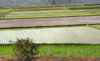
x=53, y=35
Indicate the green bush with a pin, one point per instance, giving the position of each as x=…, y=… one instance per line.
x=25, y=48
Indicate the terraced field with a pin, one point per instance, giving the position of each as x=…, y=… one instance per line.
x=43, y=14
x=81, y=34
x=49, y=21
x=42, y=11
x=4, y=10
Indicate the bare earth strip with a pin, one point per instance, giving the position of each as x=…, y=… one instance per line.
x=49, y=21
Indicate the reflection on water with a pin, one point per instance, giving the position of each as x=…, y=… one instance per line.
x=54, y=35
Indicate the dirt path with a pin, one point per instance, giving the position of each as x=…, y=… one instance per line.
x=49, y=21
x=56, y=58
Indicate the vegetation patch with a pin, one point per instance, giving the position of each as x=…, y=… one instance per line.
x=4, y=12
x=44, y=11
x=92, y=4
x=84, y=7
x=58, y=50
x=95, y=26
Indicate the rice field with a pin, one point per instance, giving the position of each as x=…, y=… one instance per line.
x=95, y=26
x=4, y=10
x=58, y=50
x=42, y=11
x=49, y=16
x=43, y=14
x=52, y=13
x=80, y=34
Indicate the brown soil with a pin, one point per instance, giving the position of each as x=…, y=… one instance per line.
x=55, y=58
x=49, y=21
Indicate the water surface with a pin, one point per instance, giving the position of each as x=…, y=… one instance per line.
x=54, y=35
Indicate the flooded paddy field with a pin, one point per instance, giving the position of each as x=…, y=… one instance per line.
x=43, y=14
x=59, y=21
x=58, y=30
x=76, y=34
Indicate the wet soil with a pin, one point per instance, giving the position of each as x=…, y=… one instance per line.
x=59, y=21
x=55, y=58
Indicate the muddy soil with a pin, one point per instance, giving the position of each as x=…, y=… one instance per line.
x=49, y=21
x=55, y=58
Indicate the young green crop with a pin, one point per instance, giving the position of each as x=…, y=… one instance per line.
x=43, y=11
x=4, y=10
x=59, y=50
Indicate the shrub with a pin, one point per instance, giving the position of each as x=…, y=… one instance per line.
x=25, y=48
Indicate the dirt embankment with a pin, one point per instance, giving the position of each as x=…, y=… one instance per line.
x=56, y=58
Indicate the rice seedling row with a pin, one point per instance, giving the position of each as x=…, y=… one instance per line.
x=59, y=50
x=45, y=11
x=4, y=10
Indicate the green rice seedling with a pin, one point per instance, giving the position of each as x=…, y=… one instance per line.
x=4, y=10
x=44, y=11
x=60, y=50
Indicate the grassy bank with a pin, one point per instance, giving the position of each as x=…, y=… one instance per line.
x=4, y=12
x=48, y=16
x=44, y=11
x=95, y=26
x=59, y=50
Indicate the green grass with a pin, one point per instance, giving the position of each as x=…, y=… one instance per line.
x=4, y=10
x=45, y=11
x=95, y=26
x=59, y=50
x=6, y=51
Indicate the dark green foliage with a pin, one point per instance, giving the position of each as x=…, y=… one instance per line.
x=91, y=4
x=25, y=48
x=85, y=7
x=45, y=6
x=53, y=2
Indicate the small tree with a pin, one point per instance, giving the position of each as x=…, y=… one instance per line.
x=25, y=48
